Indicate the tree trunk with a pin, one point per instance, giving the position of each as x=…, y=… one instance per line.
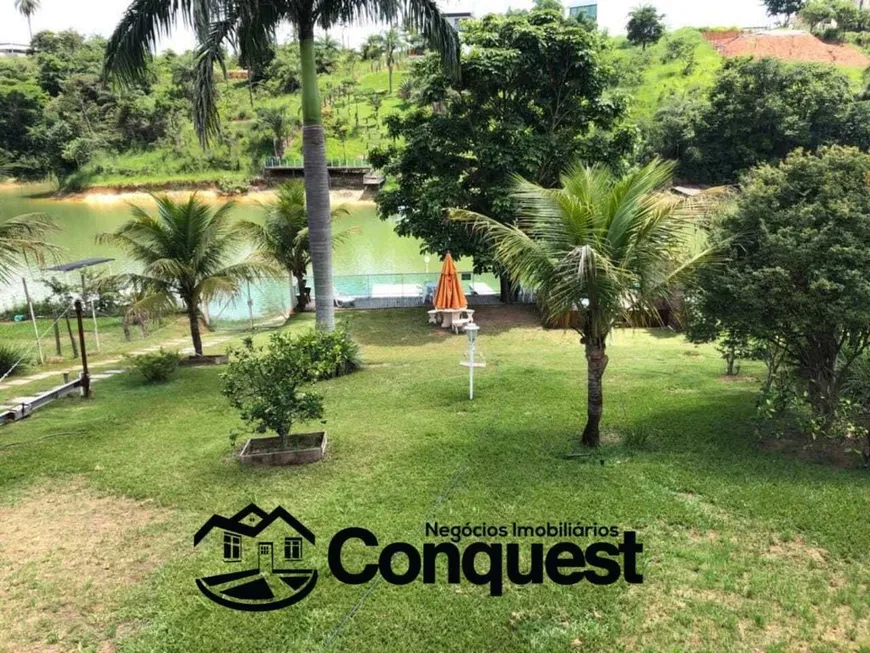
x=302, y=296
x=316, y=184
x=390, y=76
x=508, y=290
x=596, y=363
x=293, y=305
x=193, y=317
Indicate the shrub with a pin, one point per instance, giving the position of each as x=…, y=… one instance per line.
x=10, y=355
x=158, y=366
x=331, y=353
x=267, y=385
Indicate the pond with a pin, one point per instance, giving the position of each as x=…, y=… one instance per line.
x=371, y=248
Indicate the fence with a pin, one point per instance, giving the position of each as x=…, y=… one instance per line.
x=296, y=162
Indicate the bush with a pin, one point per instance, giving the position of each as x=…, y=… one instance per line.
x=10, y=355
x=331, y=353
x=157, y=367
x=269, y=384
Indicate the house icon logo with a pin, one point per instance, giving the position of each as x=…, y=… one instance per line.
x=259, y=552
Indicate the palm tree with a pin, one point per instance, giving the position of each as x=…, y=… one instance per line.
x=276, y=120
x=185, y=252
x=604, y=246
x=282, y=240
x=252, y=24
x=23, y=237
x=392, y=43
x=27, y=8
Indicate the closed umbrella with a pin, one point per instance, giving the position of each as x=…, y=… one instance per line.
x=449, y=294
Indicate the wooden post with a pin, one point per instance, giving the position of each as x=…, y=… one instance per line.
x=93, y=311
x=57, y=335
x=86, y=377
x=72, y=340
x=33, y=319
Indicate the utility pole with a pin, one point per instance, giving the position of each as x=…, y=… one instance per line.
x=86, y=377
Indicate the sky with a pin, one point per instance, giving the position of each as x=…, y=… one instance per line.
x=101, y=16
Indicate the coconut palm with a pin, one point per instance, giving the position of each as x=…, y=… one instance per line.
x=185, y=251
x=602, y=245
x=27, y=8
x=282, y=239
x=393, y=42
x=251, y=26
x=22, y=238
x=276, y=120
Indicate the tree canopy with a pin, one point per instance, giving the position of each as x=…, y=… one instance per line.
x=796, y=270
x=534, y=96
x=645, y=26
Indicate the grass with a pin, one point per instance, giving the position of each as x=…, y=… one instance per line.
x=744, y=549
x=112, y=344
x=651, y=79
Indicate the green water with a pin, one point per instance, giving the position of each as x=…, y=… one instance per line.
x=370, y=248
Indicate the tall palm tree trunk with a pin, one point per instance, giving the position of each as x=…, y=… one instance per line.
x=596, y=363
x=316, y=184
x=193, y=318
x=29, y=28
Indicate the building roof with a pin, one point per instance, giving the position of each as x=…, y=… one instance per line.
x=234, y=524
x=77, y=265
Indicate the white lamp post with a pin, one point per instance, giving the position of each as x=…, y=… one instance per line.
x=471, y=330
x=426, y=260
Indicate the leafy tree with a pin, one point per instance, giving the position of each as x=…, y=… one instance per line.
x=268, y=385
x=682, y=47
x=817, y=12
x=671, y=132
x=23, y=238
x=788, y=8
x=602, y=245
x=759, y=111
x=533, y=91
x=373, y=48
x=282, y=239
x=185, y=251
x=252, y=25
x=645, y=26
x=795, y=269
x=27, y=8
x=551, y=5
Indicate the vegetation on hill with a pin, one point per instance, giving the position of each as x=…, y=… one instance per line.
x=58, y=120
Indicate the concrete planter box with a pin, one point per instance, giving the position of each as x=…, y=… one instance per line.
x=267, y=451
x=205, y=359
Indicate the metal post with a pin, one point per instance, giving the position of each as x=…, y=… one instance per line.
x=93, y=311
x=57, y=334
x=86, y=377
x=471, y=370
x=33, y=319
x=250, y=306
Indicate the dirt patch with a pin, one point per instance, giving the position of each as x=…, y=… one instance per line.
x=66, y=555
x=495, y=317
x=823, y=451
x=786, y=45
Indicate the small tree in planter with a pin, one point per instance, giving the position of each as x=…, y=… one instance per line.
x=270, y=386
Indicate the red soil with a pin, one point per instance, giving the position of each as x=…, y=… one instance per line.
x=794, y=46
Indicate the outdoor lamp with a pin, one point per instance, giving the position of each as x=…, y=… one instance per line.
x=471, y=330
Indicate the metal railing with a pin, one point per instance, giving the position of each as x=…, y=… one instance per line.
x=296, y=162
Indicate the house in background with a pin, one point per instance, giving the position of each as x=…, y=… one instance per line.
x=14, y=50
x=455, y=19
x=586, y=8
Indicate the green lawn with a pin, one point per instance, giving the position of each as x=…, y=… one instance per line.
x=744, y=549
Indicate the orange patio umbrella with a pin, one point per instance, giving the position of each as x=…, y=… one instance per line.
x=449, y=293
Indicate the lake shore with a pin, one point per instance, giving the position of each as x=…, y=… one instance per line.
x=109, y=195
